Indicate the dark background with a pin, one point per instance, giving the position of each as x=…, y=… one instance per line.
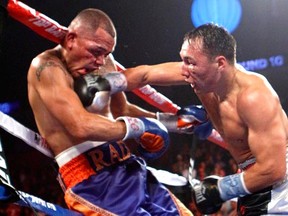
x=149, y=32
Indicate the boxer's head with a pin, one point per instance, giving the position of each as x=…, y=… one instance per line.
x=206, y=51
x=90, y=39
x=89, y=20
x=214, y=41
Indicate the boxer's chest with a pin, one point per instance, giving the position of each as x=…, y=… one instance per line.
x=226, y=121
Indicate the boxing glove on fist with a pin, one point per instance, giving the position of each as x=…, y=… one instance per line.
x=203, y=130
x=189, y=120
x=209, y=195
x=149, y=133
x=94, y=91
x=206, y=196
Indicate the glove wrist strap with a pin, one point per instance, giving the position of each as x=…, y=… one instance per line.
x=169, y=120
x=232, y=186
x=117, y=82
x=134, y=127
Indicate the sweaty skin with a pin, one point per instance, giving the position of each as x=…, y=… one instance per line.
x=242, y=106
x=64, y=122
x=50, y=77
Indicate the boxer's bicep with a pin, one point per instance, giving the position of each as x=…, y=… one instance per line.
x=266, y=138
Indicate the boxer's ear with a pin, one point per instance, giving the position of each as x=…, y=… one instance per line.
x=221, y=62
x=70, y=38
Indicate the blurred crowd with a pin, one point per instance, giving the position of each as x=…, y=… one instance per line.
x=209, y=159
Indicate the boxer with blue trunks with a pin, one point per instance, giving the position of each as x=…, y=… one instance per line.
x=98, y=180
x=77, y=99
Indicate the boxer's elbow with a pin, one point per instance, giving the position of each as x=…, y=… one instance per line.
x=280, y=175
x=277, y=172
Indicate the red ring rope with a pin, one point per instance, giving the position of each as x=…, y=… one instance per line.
x=53, y=31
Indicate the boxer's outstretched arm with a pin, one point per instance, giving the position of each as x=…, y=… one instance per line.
x=165, y=74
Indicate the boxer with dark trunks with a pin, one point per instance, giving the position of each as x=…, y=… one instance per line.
x=244, y=109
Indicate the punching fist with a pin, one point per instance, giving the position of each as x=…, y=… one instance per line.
x=209, y=195
x=203, y=130
x=189, y=120
x=94, y=91
x=149, y=133
x=206, y=195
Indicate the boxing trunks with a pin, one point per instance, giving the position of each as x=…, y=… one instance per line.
x=269, y=201
x=109, y=180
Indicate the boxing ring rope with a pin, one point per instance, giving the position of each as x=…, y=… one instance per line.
x=30, y=137
x=34, y=140
x=53, y=31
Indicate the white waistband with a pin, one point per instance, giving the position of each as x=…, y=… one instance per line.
x=72, y=152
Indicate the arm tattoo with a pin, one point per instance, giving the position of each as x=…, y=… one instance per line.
x=49, y=64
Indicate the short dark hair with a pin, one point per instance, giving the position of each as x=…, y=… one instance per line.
x=216, y=41
x=90, y=19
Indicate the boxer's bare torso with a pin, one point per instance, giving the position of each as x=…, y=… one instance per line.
x=49, y=67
